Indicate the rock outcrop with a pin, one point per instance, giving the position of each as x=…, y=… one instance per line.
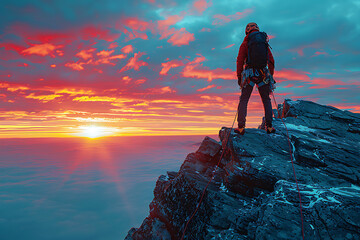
x=253, y=194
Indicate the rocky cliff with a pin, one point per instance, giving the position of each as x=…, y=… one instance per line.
x=253, y=194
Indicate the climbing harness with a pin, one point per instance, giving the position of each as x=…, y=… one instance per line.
x=260, y=77
x=212, y=177
x=292, y=163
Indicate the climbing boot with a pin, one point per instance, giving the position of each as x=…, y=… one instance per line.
x=240, y=131
x=270, y=130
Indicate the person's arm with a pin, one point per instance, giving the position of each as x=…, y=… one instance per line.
x=241, y=58
x=271, y=62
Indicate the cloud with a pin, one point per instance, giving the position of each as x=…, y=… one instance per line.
x=291, y=74
x=206, y=88
x=166, y=66
x=222, y=19
x=78, y=66
x=41, y=49
x=162, y=90
x=194, y=69
x=94, y=99
x=201, y=5
x=324, y=83
x=229, y=46
x=44, y=98
x=181, y=37
x=127, y=49
x=134, y=63
x=86, y=54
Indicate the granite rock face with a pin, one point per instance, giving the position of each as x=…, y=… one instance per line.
x=253, y=194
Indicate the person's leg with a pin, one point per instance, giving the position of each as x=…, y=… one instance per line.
x=242, y=108
x=264, y=93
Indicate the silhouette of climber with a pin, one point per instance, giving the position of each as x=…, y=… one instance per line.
x=255, y=65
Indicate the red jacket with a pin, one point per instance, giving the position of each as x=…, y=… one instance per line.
x=243, y=51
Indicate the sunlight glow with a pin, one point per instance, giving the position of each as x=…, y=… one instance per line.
x=96, y=131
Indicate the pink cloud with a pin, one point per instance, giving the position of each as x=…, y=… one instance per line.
x=134, y=27
x=229, y=46
x=300, y=50
x=113, y=45
x=134, y=63
x=181, y=37
x=194, y=69
x=136, y=24
x=166, y=66
x=127, y=49
x=291, y=74
x=324, y=83
x=205, y=30
x=201, y=5
x=163, y=25
x=317, y=53
x=94, y=31
x=222, y=19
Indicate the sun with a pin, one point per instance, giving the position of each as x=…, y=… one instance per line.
x=96, y=131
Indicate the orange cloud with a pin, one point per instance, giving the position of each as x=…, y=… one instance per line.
x=85, y=54
x=140, y=81
x=13, y=87
x=222, y=19
x=216, y=98
x=104, y=53
x=41, y=49
x=166, y=66
x=78, y=66
x=134, y=63
x=162, y=90
x=106, y=60
x=206, y=88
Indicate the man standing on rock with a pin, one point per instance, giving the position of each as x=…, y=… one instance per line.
x=255, y=65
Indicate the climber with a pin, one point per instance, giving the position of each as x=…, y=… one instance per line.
x=255, y=65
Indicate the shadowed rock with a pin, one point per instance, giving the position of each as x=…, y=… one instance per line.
x=253, y=194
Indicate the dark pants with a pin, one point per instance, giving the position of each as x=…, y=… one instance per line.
x=244, y=99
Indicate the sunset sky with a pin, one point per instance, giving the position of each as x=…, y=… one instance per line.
x=164, y=67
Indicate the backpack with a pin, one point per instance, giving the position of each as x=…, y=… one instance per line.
x=257, y=50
